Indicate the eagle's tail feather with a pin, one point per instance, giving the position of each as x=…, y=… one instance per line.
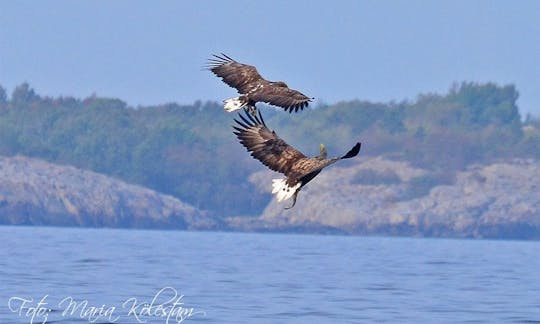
x=282, y=190
x=233, y=104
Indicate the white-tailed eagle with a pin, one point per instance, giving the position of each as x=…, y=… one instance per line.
x=253, y=88
x=266, y=146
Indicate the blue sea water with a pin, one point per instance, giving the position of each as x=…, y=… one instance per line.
x=74, y=275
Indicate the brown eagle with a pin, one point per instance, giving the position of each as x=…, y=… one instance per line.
x=279, y=156
x=253, y=88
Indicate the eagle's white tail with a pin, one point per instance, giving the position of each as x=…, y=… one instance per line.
x=282, y=190
x=233, y=104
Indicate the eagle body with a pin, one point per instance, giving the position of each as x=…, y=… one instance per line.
x=253, y=88
x=267, y=147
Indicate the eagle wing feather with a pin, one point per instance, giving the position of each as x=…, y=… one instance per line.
x=247, y=80
x=264, y=144
x=306, y=169
x=242, y=77
x=281, y=96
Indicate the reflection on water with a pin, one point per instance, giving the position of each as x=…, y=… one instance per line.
x=264, y=278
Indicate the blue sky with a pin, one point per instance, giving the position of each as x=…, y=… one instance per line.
x=151, y=52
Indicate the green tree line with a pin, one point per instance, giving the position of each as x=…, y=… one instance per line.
x=190, y=152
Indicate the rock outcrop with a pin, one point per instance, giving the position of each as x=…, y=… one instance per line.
x=35, y=192
x=369, y=196
x=380, y=196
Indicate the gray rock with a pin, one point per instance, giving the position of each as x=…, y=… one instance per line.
x=35, y=192
x=500, y=200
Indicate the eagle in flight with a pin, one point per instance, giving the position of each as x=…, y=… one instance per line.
x=253, y=88
x=265, y=146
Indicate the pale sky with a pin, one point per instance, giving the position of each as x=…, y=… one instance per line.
x=152, y=52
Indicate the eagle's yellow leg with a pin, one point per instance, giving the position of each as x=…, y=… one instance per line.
x=252, y=110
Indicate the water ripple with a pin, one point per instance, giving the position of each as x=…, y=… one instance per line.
x=251, y=278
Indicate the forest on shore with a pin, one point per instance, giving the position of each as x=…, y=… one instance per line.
x=190, y=152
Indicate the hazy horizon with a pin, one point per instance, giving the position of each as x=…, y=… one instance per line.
x=149, y=53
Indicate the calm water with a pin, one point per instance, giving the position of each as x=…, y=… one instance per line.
x=261, y=278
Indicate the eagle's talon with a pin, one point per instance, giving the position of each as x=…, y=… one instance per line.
x=253, y=111
x=294, y=200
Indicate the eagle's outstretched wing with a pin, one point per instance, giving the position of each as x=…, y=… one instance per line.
x=275, y=153
x=307, y=169
x=240, y=76
x=280, y=95
x=265, y=145
x=247, y=80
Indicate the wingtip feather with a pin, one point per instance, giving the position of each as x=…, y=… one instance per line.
x=261, y=118
x=245, y=120
x=242, y=124
x=353, y=152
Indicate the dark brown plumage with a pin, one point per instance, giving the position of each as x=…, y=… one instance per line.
x=266, y=146
x=253, y=88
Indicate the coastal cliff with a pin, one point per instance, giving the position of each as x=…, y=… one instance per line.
x=381, y=196
x=35, y=192
x=374, y=196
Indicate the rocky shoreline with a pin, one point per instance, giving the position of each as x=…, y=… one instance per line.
x=35, y=192
x=375, y=196
x=385, y=197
